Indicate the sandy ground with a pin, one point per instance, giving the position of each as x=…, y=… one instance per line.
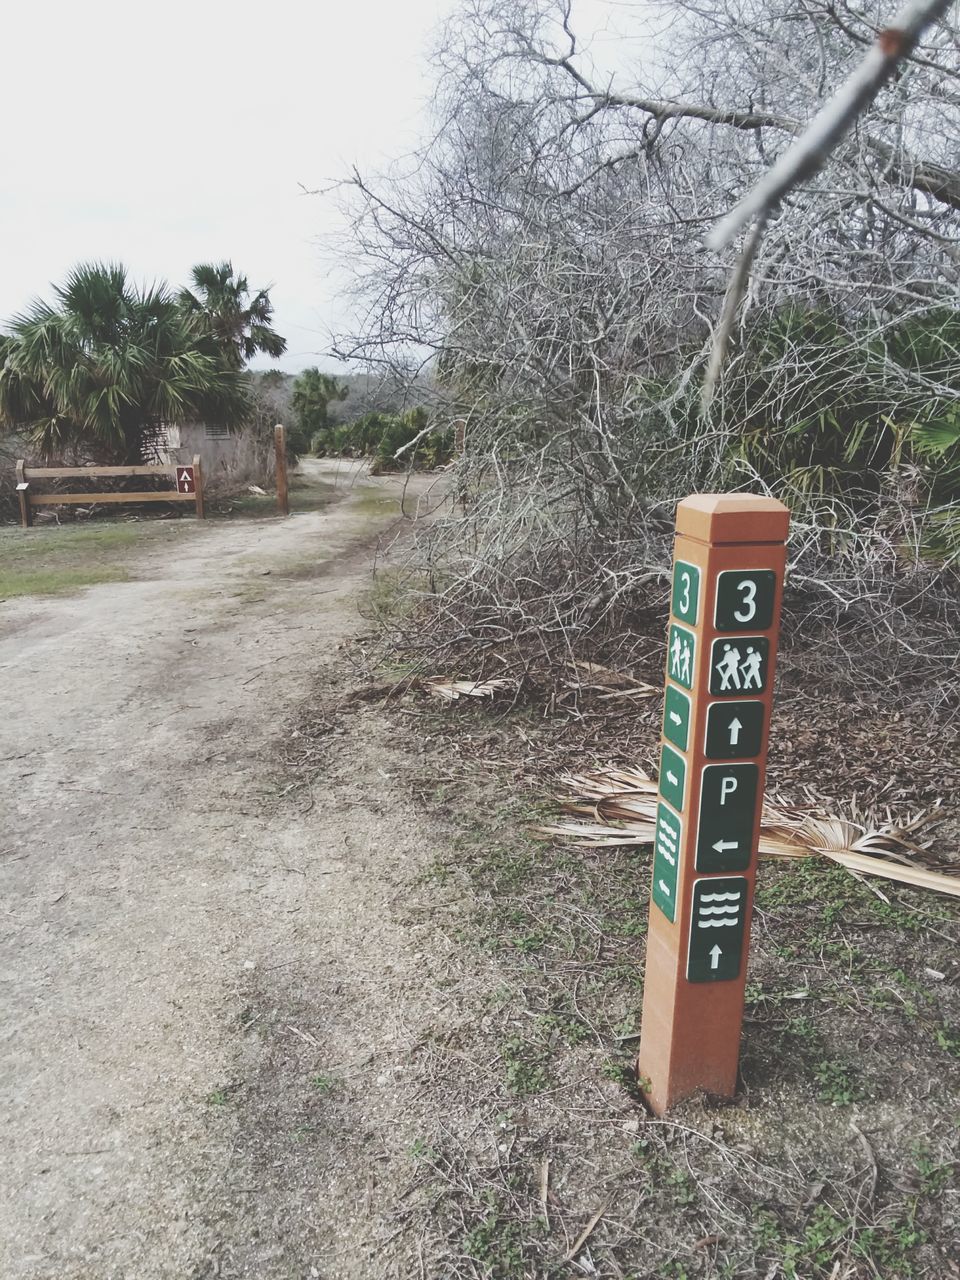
x=192, y=964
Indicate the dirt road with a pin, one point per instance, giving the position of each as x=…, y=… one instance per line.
x=191, y=966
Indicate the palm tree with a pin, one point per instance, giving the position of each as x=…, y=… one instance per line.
x=312, y=393
x=108, y=364
x=239, y=323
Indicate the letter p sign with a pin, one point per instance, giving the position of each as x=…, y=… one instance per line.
x=728, y=785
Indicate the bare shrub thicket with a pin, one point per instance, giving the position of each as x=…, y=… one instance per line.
x=544, y=254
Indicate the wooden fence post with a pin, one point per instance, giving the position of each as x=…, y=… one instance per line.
x=280, y=445
x=23, y=494
x=198, y=484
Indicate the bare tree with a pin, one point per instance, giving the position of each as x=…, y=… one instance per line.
x=544, y=255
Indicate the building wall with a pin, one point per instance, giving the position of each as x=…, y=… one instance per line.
x=218, y=447
x=235, y=458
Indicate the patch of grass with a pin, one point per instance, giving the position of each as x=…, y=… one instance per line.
x=324, y=1084
x=949, y=1040
x=524, y=1065
x=889, y=1249
x=374, y=502
x=420, y=1149
x=495, y=1243
x=817, y=1245
x=828, y=1236
x=305, y=495
x=53, y=561
x=391, y=595
x=838, y=1083
x=563, y=1027
x=818, y=898
x=934, y=1175
x=674, y=1269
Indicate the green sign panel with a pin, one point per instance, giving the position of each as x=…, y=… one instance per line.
x=676, y=717
x=673, y=775
x=717, y=926
x=681, y=655
x=734, y=730
x=739, y=666
x=666, y=861
x=744, y=599
x=728, y=798
x=685, y=601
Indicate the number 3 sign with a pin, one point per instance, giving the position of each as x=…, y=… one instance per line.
x=745, y=600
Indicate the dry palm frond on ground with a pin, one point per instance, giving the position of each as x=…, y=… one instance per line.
x=451, y=690
x=619, y=806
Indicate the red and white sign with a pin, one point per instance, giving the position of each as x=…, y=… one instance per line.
x=185, y=480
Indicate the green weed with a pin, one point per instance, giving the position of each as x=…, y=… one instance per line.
x=837, y=1084
x=324, y=1084
x=496, y=1243
x=524, y=1068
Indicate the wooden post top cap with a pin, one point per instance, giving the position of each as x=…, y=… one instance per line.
x=733, y=517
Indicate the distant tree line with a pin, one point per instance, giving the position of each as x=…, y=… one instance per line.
x=379, y=434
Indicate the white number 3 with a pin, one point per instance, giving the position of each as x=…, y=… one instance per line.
x=685, y=598
x=749, y=589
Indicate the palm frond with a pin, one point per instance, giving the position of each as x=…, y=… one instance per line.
x=619, y=807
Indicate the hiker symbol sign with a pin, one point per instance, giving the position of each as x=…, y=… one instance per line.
x=739, y=666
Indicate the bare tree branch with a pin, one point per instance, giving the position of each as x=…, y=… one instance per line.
x=809, y=153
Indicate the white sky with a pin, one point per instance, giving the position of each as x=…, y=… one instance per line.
x=176, y=133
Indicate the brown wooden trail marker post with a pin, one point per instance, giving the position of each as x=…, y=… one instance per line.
x=198, y=486
x=280, y=448
x=727, y=590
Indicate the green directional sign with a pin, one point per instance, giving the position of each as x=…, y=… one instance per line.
x=739, y=665
x=717, y=924
x=681, y=655
x=666, y=860
x=745, y=599
x=728, y=797
x=676, y=717
x=734, y=730
x=673, y=776
x=685, y=600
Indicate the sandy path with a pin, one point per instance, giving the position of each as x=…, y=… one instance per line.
x=188, y=969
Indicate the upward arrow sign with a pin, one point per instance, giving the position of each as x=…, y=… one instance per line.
x=735, y=727
x=715, y=954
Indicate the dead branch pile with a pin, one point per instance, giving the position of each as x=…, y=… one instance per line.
x=543, y=255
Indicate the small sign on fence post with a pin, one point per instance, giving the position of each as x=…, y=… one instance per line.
x=23, y=496
x=722, y=637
